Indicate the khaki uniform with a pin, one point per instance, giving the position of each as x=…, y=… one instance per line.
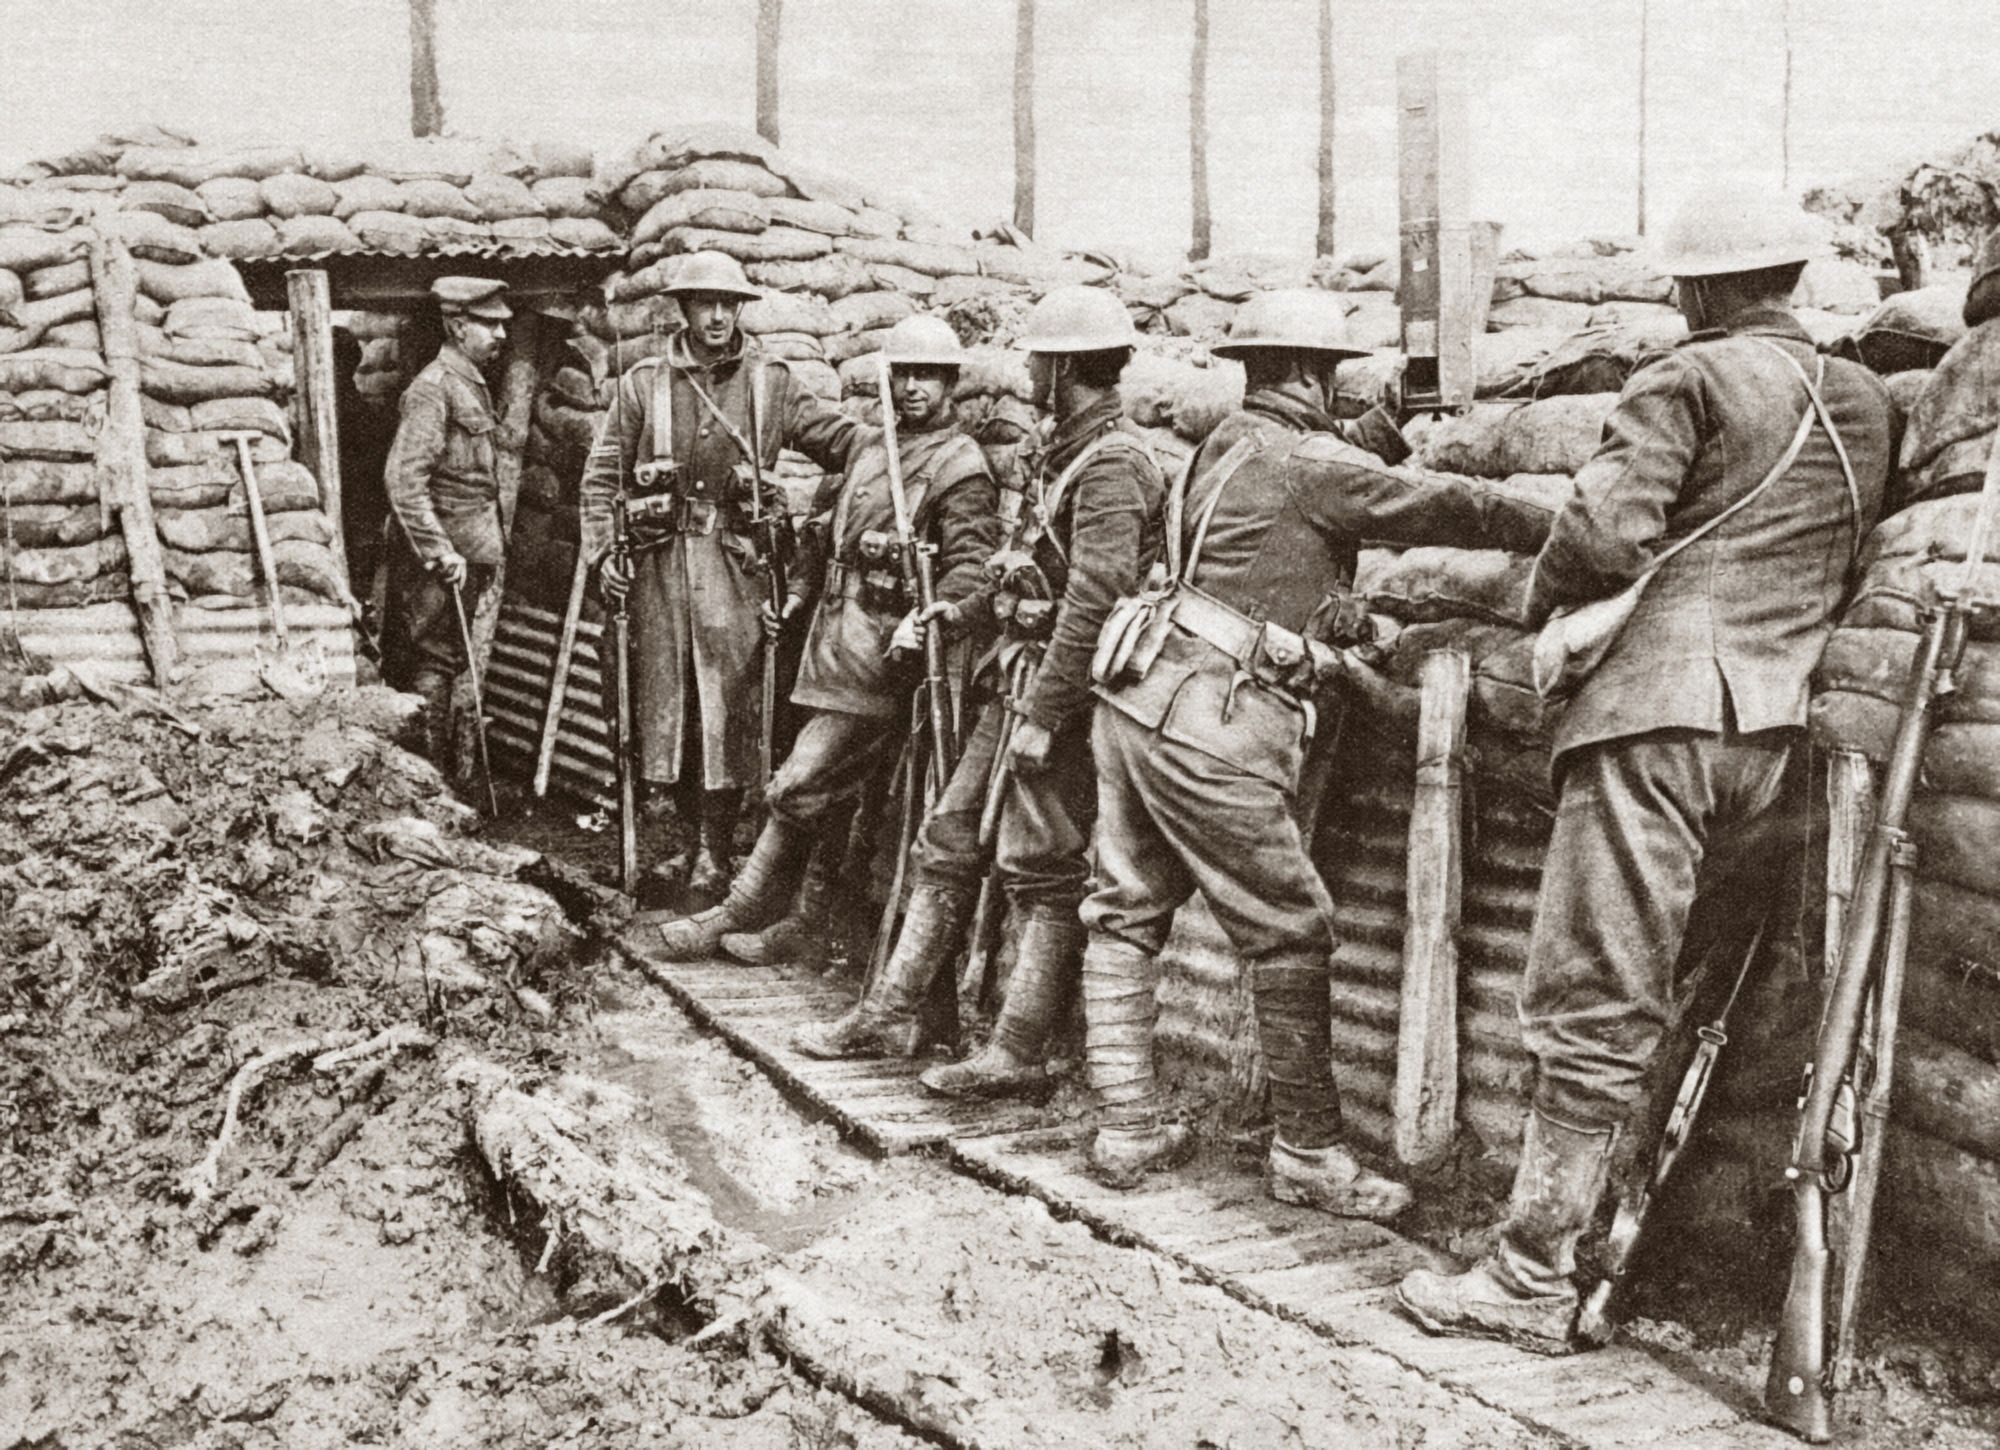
x=697, y=639
x=445, y=497
x=1680, y=761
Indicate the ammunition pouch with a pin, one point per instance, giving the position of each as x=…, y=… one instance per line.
x=1282, y=659
x=873, y=575
x=1134, y=633
x=1024, y=618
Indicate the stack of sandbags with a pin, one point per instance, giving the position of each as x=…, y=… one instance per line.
x=405, y=197
x=55, y=547
x=1950, y=425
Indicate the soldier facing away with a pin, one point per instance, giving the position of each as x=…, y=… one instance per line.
x=445, y=496
x=1205, y=712
x=695, y=583
x=858, y=672
x=1091, y=528
x=1680, y=760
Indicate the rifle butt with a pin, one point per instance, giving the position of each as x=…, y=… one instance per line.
x=1795, y=1394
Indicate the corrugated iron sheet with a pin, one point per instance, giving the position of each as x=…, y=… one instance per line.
x=501, y=248
x=218, y=645
x=518, y=682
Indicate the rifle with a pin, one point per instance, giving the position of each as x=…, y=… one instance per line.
x=766, y=535
x=915, y=560
x=1595, y=1323
x=621, y=703
x=1797, y=1394
x=983, y=939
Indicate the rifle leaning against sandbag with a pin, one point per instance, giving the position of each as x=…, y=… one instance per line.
x=1832, y=1154
x=914, y=560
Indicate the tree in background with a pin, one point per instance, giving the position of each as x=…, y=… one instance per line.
x=1645, y=31
x=1201, y=242
x=426, y=108
x=1323, y=238
x=1785, y=119
x=1024, y=115
x=770, y=19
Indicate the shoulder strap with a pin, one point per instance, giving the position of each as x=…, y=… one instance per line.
x=1818, y=403
x=1181, y=571
x=663, y=413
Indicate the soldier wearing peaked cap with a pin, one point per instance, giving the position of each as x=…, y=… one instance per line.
x=1207, y=697
x=445, y=497
x=689, y=420
x=1738, y=475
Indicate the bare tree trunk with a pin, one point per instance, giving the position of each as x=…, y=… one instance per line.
x=1785, y=116
x=1024, y=115
x=1323, y=238
x=426, y=108
x=1644, y=28
x=1199, y=244
x=770, y=21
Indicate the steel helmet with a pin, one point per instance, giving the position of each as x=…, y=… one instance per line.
x=1299, y=319
x=1078, y=319
x=919, y=342
x=1982, y=298
x=712, y=272
x=1728, y=227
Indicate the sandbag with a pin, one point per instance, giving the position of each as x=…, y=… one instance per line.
x=212, y=317
x=728, y=211
x=826, y=217
x=769, y=245
x=192, y=165
x=1949, y=432
x=889, y=277
x=241, y=415
x=993, y=371
x=497, y=197
x=291, y=194
x=643, y=191
x=862, y=310
x=933, y=259
x=1877, y=663
x=209, y=278
x=521, y=228
x=1958, y=839
x=51, y=368
x=567, y=196
x=587, y=233
x=1428, y=584
x=301, y=564
x=146, y=234
x=55, y=281
x=431, y=198
x=29, y=248
x=231, y=199
x=52, y=440
x=1837, y=284
x=244, y=241
x=30, y=481
x=179, y=383
x=817, y=378
x=1551, y=435
x=364, y=193
x=74, y=336
x=792, y=346
x=35, y=322
x=388, y=231
x=74, y=565
x=1200, y=316
x=1150, y=386
x=202, y=531
x=1539, y=312
x=834, y=276
x=53, y=525
x=178, y=204
x=452, y=230
x=1599, y=359
x=1585, y=280
x=312, y=236
x=1211, y=395
x=179, y=450
x=112, y=585
x=787, y=312
x=283, y=484
x=44, y=405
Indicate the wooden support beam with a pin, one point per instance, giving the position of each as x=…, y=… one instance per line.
x=1441, y=314
x=1024, y=115
x=311, y=305
x=1850, y=813
x=1426, y=1094
x=122, y=483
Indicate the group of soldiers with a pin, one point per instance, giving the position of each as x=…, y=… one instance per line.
x=1153, y=658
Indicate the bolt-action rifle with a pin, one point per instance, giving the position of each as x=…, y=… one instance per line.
x=621, y=702
x=915, y=562
x=769, y=536
x=1835, y=1152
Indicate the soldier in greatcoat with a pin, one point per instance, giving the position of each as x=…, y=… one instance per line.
x=689, y=421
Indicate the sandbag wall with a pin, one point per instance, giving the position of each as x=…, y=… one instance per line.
x=208, y=366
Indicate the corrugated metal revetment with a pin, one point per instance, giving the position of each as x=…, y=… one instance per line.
x=219, y=646
x=518, y=684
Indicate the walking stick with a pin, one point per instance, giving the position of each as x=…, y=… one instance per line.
x=478, y=701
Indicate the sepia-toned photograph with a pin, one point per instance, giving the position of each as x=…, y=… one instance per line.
x=999, y=724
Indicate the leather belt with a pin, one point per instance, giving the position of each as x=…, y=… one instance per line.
x=1210, y=620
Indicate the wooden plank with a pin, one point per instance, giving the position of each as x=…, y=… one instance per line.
x=1426, y=1095
x=1441, y=314
x=310, y=302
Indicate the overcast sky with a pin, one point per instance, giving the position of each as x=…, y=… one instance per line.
x=917, y=93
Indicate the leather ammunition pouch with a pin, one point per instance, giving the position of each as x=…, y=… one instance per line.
x=872, y=575
x=1024, y=618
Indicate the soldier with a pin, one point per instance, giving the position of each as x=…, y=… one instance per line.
x=1206, y=709
x=696, y=590
x=1092, y=527
x=1680, y=759
x=445, y=496
x=857, y=674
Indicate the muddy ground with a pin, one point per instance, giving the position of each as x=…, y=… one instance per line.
x=184, y=894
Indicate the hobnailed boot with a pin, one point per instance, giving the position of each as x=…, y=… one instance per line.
x=1521, y=1292
x=884, y=1023
x=769, y=877
x=709, y=875
x=1046, y=963
x=1120, y=983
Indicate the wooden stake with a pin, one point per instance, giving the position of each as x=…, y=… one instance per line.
x=122, y=482
x=770, y=25
x=545, y=758
x=1024, y=115
x=1324, y=236
x=1426, y=1100
x=311, y=304
x=1440, y=312
x=1201, y=241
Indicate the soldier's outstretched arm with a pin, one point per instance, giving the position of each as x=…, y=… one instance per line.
x=612, y=454
x=1104, y=563
x=1609, y=532
x=414, y=456
x=1346, y=492
x=819, y=430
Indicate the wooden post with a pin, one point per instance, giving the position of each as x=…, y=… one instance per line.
x=426, y=102
x=122, y=483
x=1440, y=312
x=770, y=25
x=1324, y=235
x=1785, y=109
x=1024, y=115
x=1850, y=814
x=311, y=305
x=1645, y=30
x=1201, y=241
x=1426, y=1101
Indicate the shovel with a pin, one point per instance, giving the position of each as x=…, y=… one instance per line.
x=292, y=673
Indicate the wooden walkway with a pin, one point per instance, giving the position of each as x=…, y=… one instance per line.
x=1213, y=1219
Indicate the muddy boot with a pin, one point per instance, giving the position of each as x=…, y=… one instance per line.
x=1120, y=983
x=1330, y=1180
x=884, y=1023
x=710, y=873
x=1521, y=1292
x=435, y=688
x=1045, y=973
x=798, y=937
x=759, y=894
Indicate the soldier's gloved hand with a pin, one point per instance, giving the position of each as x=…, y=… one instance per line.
x=944, y=613
x=451, y=567
x=1028, y=747
x=773, y=621
x=908, y=638
x=613, y=582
